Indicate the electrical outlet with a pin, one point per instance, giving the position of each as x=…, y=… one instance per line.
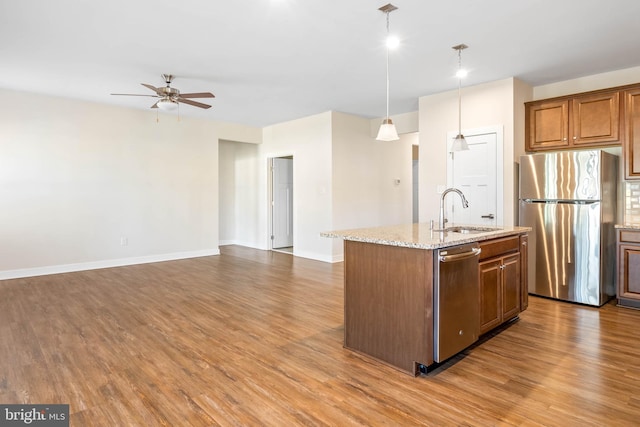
x=124, y=241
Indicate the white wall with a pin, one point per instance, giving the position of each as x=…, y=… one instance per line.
x=365, y=193
x=77, y=177
x=227, y=192
x=309, y=141
x=585, y=84
x=239, y=193
x=489, y=104
x=343, y=178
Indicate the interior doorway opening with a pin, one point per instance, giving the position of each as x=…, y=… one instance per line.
x=281, y=177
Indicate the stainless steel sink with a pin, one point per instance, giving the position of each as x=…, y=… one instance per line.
x=470, y=229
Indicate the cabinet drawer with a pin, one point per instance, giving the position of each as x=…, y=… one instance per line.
x=629, y=236
x=497, y=247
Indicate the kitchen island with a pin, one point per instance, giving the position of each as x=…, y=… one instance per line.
x=391, y=287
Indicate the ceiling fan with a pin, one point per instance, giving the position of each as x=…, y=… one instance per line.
x=171, y=97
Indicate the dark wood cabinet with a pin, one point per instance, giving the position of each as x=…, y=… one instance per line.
x=500, y=282
x=595, y=119
x=390, y=296
x=582, y=120
x=631, y=151
x=490, y=298
x=547, y=124
x=388, y=303
x=628, y=291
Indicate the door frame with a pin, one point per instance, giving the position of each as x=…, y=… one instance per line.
x=270, y=197
x=499, y=131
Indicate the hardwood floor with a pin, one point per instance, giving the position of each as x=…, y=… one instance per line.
x=255, y=338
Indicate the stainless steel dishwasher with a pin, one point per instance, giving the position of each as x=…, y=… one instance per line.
x=456, y=300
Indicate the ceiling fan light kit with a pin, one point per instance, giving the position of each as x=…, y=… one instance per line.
x=167, y=105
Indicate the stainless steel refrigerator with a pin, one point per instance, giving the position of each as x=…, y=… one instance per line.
x=569, y=200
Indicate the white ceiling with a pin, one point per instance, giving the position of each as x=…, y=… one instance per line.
x=270, y=61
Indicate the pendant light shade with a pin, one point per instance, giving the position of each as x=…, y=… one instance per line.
x=460, y=143
x=387, y=130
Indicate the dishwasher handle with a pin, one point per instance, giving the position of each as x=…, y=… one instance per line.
x=460, y=256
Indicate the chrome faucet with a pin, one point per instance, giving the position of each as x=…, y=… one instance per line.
x=465, y=204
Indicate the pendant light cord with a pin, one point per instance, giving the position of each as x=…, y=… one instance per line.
x=387, y=45
x=459, y=92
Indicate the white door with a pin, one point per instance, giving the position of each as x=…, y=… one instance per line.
x=282, y=203
x=475, y=173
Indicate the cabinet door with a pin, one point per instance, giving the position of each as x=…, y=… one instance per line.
x=632, y=134
x=595, y=119
x=629, y=272
x=524, y=272
x=490, y=295
x=510, y=286
x=547, y=125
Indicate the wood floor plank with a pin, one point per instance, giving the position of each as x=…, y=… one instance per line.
x=255, y=337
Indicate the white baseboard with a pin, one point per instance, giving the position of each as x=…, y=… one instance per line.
x=94, y=265
x=227, y=242
x=240, y=243
x=313, y=256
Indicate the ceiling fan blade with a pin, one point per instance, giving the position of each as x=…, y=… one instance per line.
x=197, y=95
x=133, y=94
x=153, y=88
x=194, y=103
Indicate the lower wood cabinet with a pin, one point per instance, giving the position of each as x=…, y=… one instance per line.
x=628, y=291
x=500, y=282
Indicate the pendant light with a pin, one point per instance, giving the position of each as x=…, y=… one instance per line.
x=387, y=130
x=460, y=143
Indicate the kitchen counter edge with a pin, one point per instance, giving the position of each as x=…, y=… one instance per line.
x=628, y=226
x=419, y=236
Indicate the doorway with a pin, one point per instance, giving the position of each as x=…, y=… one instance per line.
x=282, y=204
x=478, y=173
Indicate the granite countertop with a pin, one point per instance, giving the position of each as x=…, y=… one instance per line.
x=420, y=236
x=628, y=226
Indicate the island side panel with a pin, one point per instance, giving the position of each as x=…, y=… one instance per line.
x=388, y=303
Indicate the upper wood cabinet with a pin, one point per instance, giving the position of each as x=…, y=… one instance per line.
x=547, y=124
x=583, y=120
x=631, y=151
